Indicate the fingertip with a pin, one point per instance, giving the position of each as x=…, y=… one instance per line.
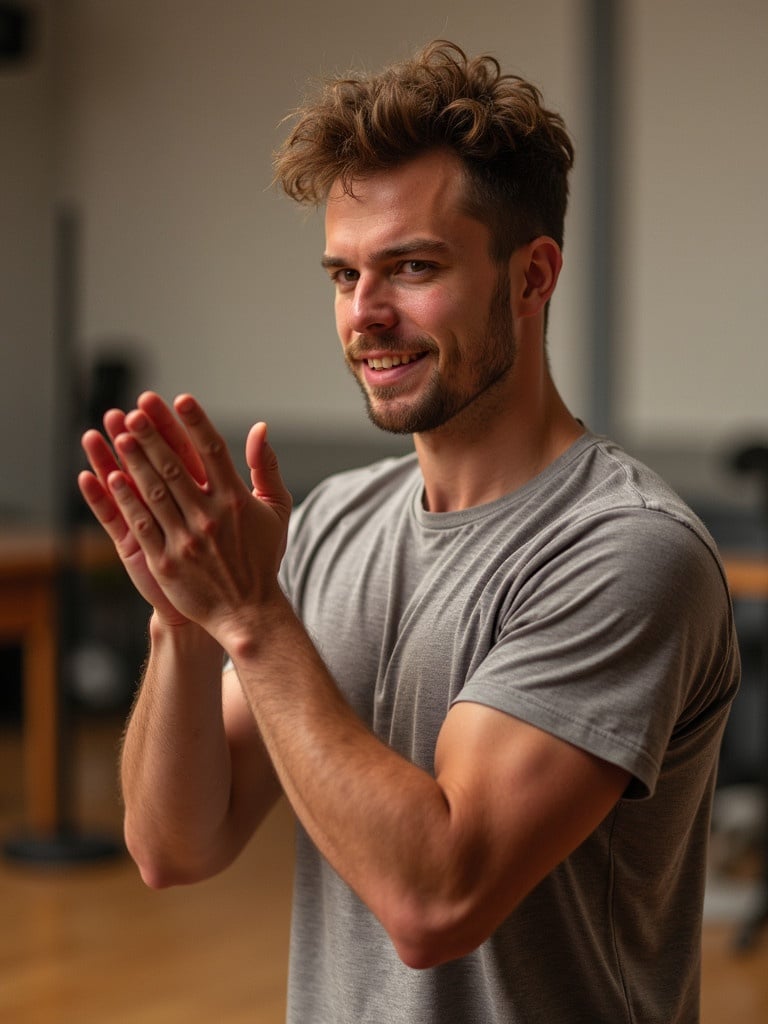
x=89, y=486
x=255, y=443
x=184, y=404
x=116, y=481
x=113, y=420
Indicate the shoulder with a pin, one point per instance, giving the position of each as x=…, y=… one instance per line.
x=626, y=532
x=343, y=492
x=351, y=504
x=615, y=500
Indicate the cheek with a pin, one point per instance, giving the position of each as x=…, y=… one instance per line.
x=432, y=313
x=340, y=317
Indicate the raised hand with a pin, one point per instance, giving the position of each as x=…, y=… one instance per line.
x=211, y=547
x=95, y=491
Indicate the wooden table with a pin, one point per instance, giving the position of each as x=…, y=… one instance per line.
x=30, y=566
x=747, y=575
x=748, y=579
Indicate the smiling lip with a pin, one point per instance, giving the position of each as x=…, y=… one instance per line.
x=386, y=368
x=389, y=360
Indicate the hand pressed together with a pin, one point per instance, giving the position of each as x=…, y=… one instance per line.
x=198, y=545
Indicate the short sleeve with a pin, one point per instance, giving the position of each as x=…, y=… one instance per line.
x=618, y=634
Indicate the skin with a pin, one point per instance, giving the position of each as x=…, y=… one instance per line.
x=204, y=758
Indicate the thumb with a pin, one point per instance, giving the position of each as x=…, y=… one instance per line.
x=267, y=482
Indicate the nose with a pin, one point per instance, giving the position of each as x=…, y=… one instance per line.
x=371, y=306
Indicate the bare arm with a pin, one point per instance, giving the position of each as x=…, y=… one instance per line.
x=440, y=860
x=195, y=777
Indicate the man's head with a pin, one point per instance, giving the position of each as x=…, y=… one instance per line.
x=515, y=153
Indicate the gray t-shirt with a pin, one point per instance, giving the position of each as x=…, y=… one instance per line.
x=589, y=603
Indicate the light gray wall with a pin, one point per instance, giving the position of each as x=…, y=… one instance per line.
x=174, y=110
x=26, y=281
x=156, y=119
x=695, y=300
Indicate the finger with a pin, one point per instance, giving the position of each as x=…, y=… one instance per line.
x=100, y=455
x=101, y=503
x=139, y=520
x=267, y=482
x=114, y=423
x=219, y=468
x=161, y=481
x=173, y=433
x=167, y=425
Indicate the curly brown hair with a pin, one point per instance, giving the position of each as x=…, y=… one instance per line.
x=516, y=153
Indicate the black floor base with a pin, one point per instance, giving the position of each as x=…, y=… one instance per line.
x=65, y=847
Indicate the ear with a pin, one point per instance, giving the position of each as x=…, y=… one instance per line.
x=538, y=266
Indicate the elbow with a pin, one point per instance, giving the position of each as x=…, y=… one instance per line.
x=155, y=878
x=159, y=868
x=157, y=871
x=160, y=873
x=428, y=936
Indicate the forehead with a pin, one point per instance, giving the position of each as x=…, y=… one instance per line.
x=420, y=198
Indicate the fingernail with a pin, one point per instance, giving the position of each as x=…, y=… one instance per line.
x=117, y=482
x=127, y=442
x=139, y=421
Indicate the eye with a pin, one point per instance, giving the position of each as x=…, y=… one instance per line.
x=344, y=277
x=416, y=268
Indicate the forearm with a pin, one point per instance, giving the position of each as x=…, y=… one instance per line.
x=384, y=824
x=175, y=765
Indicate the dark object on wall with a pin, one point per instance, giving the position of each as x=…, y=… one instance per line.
x=15, y=33
x=110, y=386
x=753, y=458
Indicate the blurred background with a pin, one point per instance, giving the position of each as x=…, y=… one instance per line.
x=142, y=245
x=153, y=123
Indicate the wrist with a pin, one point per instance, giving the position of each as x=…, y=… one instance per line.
x=251, y=634
x=187, y=635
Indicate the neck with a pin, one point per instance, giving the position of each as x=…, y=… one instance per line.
x=486, y=453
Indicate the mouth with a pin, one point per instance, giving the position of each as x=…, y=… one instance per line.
x=390, y=362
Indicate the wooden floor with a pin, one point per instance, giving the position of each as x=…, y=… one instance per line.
x=91, y=945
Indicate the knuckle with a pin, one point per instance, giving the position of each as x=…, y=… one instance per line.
x=156, y=493
x=166, y=566
x=190, y=547
x=207, y=526
x=234, y=503
x=144, y=525
x=170, y=471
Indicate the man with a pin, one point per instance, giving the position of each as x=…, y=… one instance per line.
x=491, y=677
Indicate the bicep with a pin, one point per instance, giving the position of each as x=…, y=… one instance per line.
x=522, y=799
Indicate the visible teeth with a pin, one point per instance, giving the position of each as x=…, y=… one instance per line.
x=387, y=362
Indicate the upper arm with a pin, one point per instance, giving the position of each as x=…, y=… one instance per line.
x=521, y=800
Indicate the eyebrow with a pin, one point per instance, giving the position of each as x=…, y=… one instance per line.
x=428, y=246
